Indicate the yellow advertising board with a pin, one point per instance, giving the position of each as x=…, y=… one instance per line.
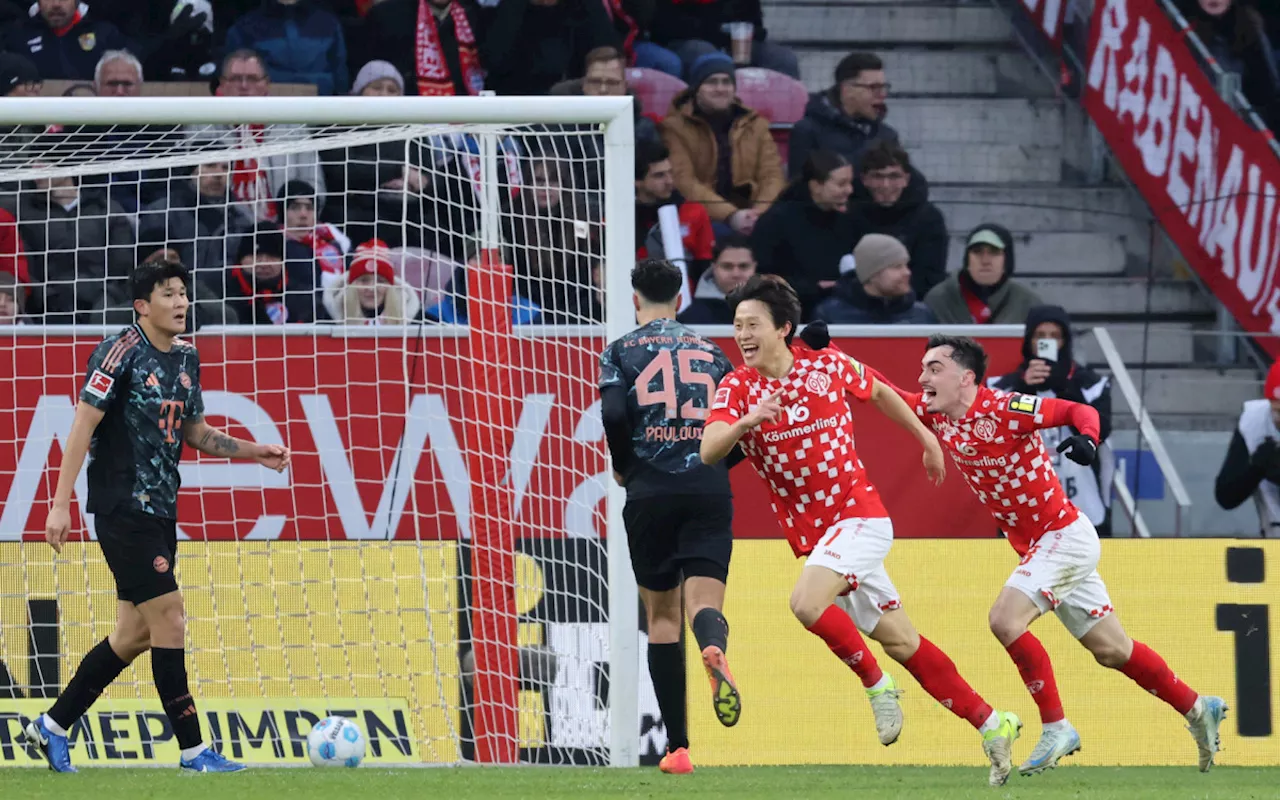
x=267, y=623
x=802, y=706
x=130, y=732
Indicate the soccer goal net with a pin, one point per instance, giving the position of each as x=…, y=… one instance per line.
x=412, y=295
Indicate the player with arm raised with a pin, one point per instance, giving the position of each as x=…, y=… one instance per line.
x=656, y=385
x=993, y=438
x=139, y=405
x=786, y=406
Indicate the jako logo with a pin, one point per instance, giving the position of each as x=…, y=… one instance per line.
x=854, y=659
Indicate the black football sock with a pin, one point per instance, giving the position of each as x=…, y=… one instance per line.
x=666, y=668
x=169, y=668
x=711, y=628
x=97, y=670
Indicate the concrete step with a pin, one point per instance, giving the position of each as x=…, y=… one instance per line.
x=1062, y=253
x=986, y=163
x=1138, y=343
x=1017, y=121
x=1192, y=391
x=1032, y=209
x=1122, y=299
x=885, y=24
x=971, y=73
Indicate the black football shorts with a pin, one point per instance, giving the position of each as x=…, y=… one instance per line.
x=679, y=536
x=142, y=550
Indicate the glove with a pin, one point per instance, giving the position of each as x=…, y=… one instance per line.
x=816, y=335
x=1266, y=459
x=1079, y=448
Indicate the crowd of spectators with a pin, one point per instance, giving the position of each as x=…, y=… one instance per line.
x=298, y=235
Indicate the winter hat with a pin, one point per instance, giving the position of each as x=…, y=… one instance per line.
x=268, y=239
x=1271, y=389
x=375, y=71
x=298, y=190
x=16, y=70
x=372, y=258
x=877, y=252
x=705, y=66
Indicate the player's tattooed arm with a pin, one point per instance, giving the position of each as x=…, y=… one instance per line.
x=211, y=441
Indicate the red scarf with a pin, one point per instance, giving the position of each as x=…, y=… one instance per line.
x=276, y=310
x=323, y=242
x=978, y=308
x=248, y=179
x=434, y=79
x=619, y=15
x=63, y=31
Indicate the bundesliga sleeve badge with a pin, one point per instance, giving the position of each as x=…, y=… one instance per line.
x=99, y=384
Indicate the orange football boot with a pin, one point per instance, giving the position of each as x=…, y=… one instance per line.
x=677, y=763
x=724, y=691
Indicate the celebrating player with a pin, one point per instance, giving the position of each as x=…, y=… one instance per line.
x=786, y=406
x=993, y=438
x=656, y=385
x=140, y=403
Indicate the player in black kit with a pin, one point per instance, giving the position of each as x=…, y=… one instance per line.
x=656, y=388
x=140, y=403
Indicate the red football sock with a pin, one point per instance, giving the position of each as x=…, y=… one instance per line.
x=836, y=629
x=1037, y=673
x=938, y=675
x=1147, y=669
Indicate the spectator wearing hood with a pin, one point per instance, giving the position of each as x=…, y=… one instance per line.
x=733, y=265
x=723, y=153
x=1251, y=468
x=890, y=198
x=63, y=39
x=847, y=117
x=299, y=41
x=370, y=292
x=1049, y=369
x=807, y=234
x=984, y=290
x=655, y=188
x=878, y=291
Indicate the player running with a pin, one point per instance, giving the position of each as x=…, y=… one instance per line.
x=993, y=438
x=140, y=403
x=656, y=385
x=786, y=406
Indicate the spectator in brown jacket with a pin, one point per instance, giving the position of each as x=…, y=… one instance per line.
x=722, y=151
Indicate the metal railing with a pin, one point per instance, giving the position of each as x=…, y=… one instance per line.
x=1136, y=403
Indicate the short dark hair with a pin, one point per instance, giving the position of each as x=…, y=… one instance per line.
x=603, y=55
x=820, y=164
x=774, y=291
x=648, y=153
x=731, y=241
x=854, y=64
x=657, y=280
x=964, y=351
x=884, y=153
x=154, y=272
x=243, y=54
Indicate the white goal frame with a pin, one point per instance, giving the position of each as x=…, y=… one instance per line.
x=615, y=117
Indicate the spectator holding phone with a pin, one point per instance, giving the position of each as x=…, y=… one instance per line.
x=1049, y=369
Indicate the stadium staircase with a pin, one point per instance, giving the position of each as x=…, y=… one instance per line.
x=986, y=124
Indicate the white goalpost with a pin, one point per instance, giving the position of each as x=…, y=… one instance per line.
x=412, y=293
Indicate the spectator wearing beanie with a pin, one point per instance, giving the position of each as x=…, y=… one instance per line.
x=299, y=41
x=370, y=293
x=378, y=79
x=299, y=208
x=808, y=232
x=723, y=154
x=272, y=281
x=984, y=290
x=878, y=291
x=1251, y=468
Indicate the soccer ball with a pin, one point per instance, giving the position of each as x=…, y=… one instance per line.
x=336, y=742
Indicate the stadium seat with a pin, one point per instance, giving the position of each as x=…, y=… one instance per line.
x=654, y=89
x=782, y=138
x=776, y=97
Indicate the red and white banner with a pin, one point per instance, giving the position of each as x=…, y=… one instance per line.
x=380, y=439
x=1209, y=177
x=1048, y=16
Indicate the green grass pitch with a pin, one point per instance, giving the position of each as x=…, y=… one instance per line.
x=732, y=783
